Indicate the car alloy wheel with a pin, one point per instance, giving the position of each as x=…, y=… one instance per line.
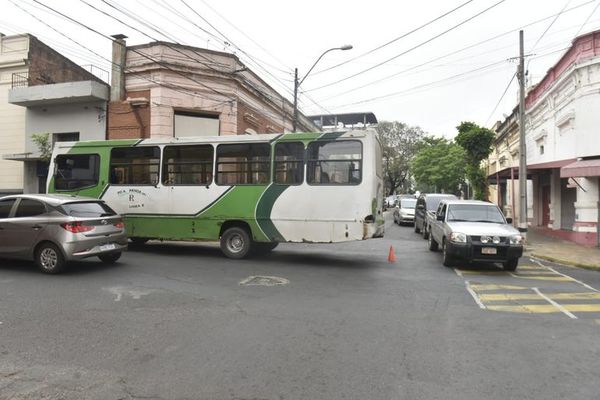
x=49, y=258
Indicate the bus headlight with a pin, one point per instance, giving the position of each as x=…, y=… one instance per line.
x=458, y=237
x=516, y=239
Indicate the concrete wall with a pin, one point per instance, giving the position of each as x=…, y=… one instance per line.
x=89, y=119
x=13, y=54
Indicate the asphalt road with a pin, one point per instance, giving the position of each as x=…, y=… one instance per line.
x=171, y=321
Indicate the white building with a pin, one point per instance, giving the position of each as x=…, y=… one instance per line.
x=563, y=143
x=13, y=56
x=42, y=92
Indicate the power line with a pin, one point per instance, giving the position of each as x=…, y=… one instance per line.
x=546, y=30
x=397, y=38
x=230, y=41
x=130, y=15
x=587, y=19
x=288, y=70
x=438, y=82
x=457, y=51
x=174, y=87
x=85, y=47
x=501, y=97
x=411, y=49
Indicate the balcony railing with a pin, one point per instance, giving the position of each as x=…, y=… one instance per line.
x=48, y=76
x=20, y=79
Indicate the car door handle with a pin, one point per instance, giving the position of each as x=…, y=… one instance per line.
x=37, y=227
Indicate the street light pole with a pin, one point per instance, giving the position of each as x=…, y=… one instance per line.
x=297, y=82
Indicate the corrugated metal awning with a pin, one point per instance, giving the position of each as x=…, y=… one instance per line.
x=581, y=168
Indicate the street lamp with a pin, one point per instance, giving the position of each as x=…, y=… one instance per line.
x=298, y=83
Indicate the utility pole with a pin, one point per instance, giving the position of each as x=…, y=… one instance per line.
x=522, y=147
x=295, y=116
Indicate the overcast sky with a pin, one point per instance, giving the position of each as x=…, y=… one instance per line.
x=451, y=70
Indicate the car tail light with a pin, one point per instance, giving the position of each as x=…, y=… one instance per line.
x=119, y=225
x=76, y=227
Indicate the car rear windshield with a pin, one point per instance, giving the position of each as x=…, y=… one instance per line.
x=475, y=213
x=434, y=201
x=408, y=203
x=87, y=209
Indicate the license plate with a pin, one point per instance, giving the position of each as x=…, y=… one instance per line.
x=110, y=246
x=488, y=250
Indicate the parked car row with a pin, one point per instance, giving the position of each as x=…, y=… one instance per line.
x=465, y=230
x=53, y=230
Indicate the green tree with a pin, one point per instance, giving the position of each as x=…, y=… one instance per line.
x=42, y=140
x=400, y=144
x=477, y=142
x=439, y=166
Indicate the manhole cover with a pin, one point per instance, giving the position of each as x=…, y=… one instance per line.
x=264, y=281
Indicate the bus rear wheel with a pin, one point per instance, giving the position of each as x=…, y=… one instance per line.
x=236, y=243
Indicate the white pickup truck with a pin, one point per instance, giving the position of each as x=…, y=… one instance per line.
x=473, y=230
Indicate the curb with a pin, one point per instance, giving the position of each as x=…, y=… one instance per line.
x=566, y=262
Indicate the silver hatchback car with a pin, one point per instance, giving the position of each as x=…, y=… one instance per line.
x=54, y=229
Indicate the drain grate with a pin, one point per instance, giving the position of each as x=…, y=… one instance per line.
x=264, y=281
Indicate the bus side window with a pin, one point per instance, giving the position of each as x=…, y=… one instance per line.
x=190, y=165
x=289, y=163
x=134, y=165
x=334, y=162
x=243, y=164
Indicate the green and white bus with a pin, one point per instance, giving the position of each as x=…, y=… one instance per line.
x=248, y=192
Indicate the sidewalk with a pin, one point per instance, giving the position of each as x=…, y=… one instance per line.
x=561, y=251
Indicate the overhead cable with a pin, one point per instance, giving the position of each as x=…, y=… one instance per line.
x=410, y=49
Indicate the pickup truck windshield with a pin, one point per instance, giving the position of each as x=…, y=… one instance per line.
x=475, y=213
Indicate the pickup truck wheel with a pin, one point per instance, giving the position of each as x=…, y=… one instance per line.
x=511, y=265
x=447, y=259
x=433, y=246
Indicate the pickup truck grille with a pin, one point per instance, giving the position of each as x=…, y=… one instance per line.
x=477, y=240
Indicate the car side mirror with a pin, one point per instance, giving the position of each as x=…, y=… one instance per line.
x=440, y=217
x=509, y=220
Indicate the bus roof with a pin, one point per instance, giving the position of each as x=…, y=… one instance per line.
x=222, y=139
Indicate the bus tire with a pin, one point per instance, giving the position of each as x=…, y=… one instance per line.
x=236, y=243
x=110, y=258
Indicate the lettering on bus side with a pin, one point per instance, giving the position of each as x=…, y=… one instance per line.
x=135, y=198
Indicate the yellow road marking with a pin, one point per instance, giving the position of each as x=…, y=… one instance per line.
x=527, y=266
x=533, y=296
x=582, y=307
x=545, y=308
x=471, y=272
x=546, y=278
x=574, y=296
x=534, y=272
x=527, y=308
x=484, y=287
x=509, y=297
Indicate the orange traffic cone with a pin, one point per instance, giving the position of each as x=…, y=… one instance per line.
x=391, y=256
